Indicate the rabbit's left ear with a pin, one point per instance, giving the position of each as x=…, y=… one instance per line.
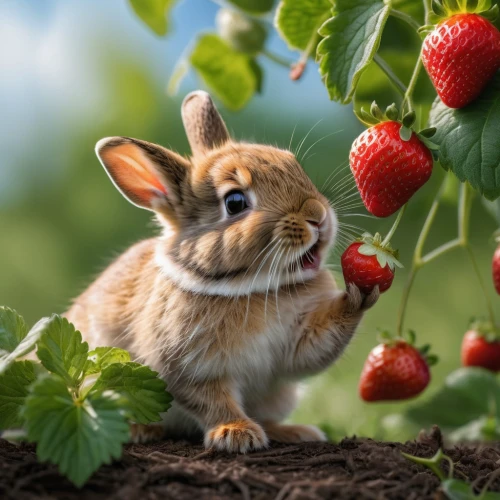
x=149, y=176
x=204, y=126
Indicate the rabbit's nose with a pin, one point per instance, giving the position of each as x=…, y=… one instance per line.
x=313, y=212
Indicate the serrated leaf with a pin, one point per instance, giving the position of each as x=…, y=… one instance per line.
x=101, y=357
x=467, y=394
x=298, y=21
x=228, y=73
x=253, y=6
x=61, y=350
x=154, y=13
x=493, y=208
x=78, y=436
x=144, y=392
x=468, y=140
x=14, y=385
x=352, y=37
x=15, y=340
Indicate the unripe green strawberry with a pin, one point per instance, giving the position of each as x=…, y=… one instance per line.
x=461, y=56
x=241, y=32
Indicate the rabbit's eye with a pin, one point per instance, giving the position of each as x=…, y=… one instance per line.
x=236, y=202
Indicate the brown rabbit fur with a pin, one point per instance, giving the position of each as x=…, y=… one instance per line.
x=232, y=310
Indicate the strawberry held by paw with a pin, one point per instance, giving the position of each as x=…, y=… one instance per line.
x=395, y=370
x=481, y=347
x=390, y=162
x=368, y=263
x=461, y=55
x=495, y=267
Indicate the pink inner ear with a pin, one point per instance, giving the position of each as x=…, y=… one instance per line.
x=134, y=173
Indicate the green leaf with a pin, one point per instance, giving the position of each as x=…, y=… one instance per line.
x=253, y=6
x=154, y=13
x=61, y=350
x=101, y=357
x=469, y=140
x=467, y=394
x=228, y=73
x=144, y=393
x=259, y=75
x=352, y=37
x=15, y=340
x=493, y=208
x=76, y=435
x=482, y=429
x=14, y=385
x=298, y=21
x=456, y=489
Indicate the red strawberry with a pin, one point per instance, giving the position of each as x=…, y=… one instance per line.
x=478, y=349
x=496, y=269
x=365, y=271
x=393, y=371
x=389, y=170
x=461, y=56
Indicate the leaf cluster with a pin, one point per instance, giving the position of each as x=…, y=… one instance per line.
x=75, y=404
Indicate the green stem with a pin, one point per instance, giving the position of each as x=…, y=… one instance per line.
x=277, y=59
x=400, y=86
x=411, y=86
x=427, y=9
x=473, y=260
x=417, y=258
x=390, y=234
x=406, y=18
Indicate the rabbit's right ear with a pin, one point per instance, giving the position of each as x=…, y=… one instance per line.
x=148, y=175
x=204, y=125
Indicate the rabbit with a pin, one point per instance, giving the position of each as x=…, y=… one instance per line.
x=231, y=304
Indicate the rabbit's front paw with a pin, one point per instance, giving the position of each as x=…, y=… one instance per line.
x=354, y=302
x=238, y=436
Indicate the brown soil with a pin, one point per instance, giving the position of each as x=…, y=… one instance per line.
x=353, y=469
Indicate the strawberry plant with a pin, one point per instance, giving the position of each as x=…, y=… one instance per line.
x=444, y=121
x=76, y=404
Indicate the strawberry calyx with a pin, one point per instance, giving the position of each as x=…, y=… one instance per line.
x=485, y=329
x=444, y=9
x=409, y=338
x=376, y=116
x=385, y=254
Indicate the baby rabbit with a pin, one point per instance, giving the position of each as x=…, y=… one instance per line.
x=231, y=304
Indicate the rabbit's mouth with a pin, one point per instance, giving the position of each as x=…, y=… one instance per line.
x=311, y=259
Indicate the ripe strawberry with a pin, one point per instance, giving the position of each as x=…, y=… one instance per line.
x=395, y=370
x=480, y=348
x=461, y=56
x=496, y=269
x=388, y=169
x=365, y=271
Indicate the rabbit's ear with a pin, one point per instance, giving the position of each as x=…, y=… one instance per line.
x=148, y=175
x=204, y=126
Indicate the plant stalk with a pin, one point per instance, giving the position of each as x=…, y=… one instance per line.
x=398, y=84
x=390, y=234
x=406, y=18
x=411, y=86
x=277, y=59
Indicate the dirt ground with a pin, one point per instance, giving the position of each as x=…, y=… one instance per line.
x=353, y=469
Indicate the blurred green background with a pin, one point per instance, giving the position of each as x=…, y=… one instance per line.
x=74, y=72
